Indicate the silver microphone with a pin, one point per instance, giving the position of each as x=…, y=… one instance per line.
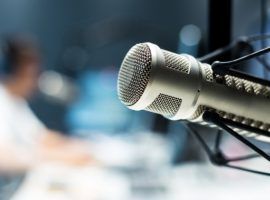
x=179, y=87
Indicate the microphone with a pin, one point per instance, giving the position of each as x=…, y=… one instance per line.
x=180, y=87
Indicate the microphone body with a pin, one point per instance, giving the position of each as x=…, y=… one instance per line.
x=179, y=87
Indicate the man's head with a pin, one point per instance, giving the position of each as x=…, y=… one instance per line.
x=21, y=66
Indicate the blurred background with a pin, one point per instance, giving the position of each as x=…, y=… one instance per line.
x=143, y=155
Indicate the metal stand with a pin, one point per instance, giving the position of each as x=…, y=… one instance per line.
x=221, y=29
x=216, y=156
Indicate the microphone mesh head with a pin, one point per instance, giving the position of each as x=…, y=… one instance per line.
x=134, y=74
x=165, y=105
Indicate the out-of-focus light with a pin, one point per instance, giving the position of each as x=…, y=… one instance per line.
x=56, y=86
x=189, y=39
x=51, y=83
x=190, y=35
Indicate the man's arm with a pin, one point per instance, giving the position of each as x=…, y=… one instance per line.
x=55, y=147
x=51, y=147
x=13, y=159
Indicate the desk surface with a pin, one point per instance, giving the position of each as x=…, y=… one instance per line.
x=140, y=170
x=187, y=182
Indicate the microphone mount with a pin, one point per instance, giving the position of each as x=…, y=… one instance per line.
x=216, y=156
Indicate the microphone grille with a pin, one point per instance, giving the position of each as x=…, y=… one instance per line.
x=165, y=105
x=134, y=74
x=176, y=62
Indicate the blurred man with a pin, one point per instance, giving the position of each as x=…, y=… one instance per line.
x=24, y=140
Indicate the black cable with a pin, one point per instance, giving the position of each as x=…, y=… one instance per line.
x=223, y=50
x=241, y=59
x=242, y=40
x=250, y=49
x=217, y=52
